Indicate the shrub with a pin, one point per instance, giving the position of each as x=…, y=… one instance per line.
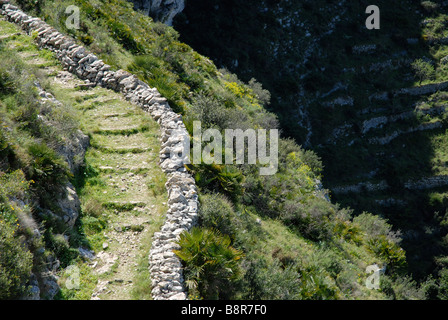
x=273, y=281
x=263, y=95
x=13, y=184
x=442, y=285
x=264, y=281
x=423, y=70
x=28, y=5
x=222, y=178
x=348, y=231
x=123, y=34
x=47, y=169
x=15, y=262
x=216, y=212
x=209, y=111
x=93, y=208
x=93, y=225
x=6, y=82
x=389, y=252
x=310, y=219
x=59, y=244
x=211, y=264
x=374, y=226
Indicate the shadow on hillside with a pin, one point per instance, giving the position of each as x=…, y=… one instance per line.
x=241, y=36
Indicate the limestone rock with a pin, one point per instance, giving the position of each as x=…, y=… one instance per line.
x=160, y=10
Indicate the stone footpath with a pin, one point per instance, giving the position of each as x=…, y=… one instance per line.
x=165, y=266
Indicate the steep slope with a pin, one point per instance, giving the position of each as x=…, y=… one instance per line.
x=351, y=95
x=285, y=239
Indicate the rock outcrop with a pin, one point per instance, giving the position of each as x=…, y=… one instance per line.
x=161, y=10
x=165, y=266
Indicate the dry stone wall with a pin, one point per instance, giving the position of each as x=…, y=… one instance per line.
x=165, y=266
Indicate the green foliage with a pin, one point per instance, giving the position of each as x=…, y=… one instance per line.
x=389, y=252
x=47, y=169
x=123, y=34
x=262, y=95
x=375, y=227
x=274, y=282
x=442, y=285
x=348, y=231
x=216, y=212
x=13, y=184
x=423, y=70
x=6, y=83
x=31, y=4
x=156, y=73
x=270, y=282
x=211, y=264
x=382, y=241
x=15, y=262
x=215, y=267
x=59, y=244
x=224, y=178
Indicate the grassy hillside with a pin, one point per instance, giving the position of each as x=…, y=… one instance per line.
x=355, y=96
x=278, y=234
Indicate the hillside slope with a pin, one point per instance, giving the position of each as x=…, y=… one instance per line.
x=279, y=235
x=353, y=96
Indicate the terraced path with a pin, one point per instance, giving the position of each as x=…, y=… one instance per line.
x=124, y=193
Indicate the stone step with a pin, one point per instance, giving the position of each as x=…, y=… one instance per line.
x=128, y=186
x=135, y=169
x=121, y=130
x=124, y=205
x=120, y=121
x=111, y=115
x=122, y=162
x=139, y=140
x=123, y=150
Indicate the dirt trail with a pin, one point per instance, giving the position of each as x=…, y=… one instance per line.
x=124, y=151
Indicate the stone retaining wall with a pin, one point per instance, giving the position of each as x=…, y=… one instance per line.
x=165, y=266
x=417, y=184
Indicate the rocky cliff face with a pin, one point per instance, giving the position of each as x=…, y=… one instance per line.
x=160, y=10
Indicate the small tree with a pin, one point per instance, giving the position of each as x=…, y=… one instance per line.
x=423, y=70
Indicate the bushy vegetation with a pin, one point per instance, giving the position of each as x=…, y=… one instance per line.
x=260, y=237
x=15, y=261
x=32, y=174
x=409, y=51
x=423, y=70
x=212, y=264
